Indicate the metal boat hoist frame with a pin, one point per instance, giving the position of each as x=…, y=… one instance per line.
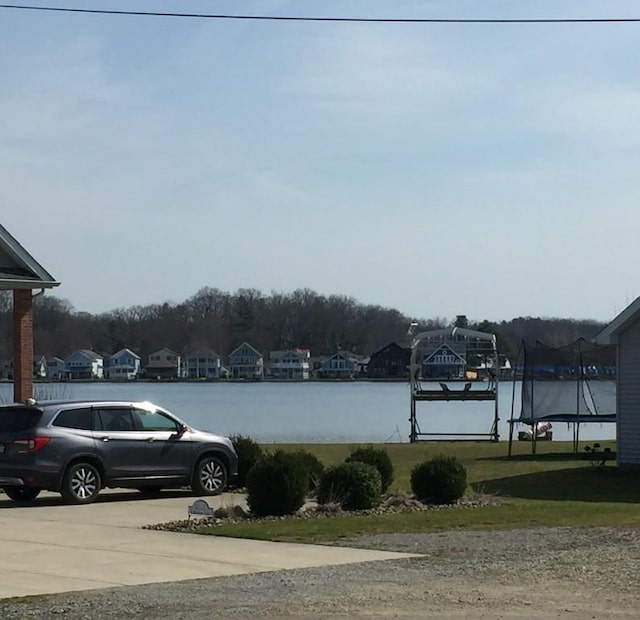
x=443, y=359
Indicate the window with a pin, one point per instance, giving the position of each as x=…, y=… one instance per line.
x=114, y=419
x=154, y=421
x=19, y=419
x=81, y=419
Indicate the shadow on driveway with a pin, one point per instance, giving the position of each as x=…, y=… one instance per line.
x=105, y=497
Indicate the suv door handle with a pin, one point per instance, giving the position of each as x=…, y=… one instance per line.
x=150, y=439
x=106, y=438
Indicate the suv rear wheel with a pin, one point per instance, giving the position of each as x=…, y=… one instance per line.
x=210, y=476
x=81, y=484
x=21, y=494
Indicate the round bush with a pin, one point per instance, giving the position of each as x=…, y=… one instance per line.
x=313, y=466
x=377, y=457
x=249, y=453
x=442, y=480
x=277, y=485
x=355, y=486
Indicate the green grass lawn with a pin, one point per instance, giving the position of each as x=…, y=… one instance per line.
x=552, y=488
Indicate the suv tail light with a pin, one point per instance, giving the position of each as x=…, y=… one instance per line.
x=31, y=444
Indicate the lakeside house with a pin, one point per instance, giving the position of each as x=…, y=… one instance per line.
x=290, y=364
x=203, y=363
x=163, y=364
x=84, y=364
x=342, y=365
x=246, y=362
x=445, y=361
x=123, y=366
x=391, y=361
x=55, y=369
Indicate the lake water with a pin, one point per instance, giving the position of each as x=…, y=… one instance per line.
x=313, y=412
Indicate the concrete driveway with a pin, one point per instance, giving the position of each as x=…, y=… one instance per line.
x=49, y=547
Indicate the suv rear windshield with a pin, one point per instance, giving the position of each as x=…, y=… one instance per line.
x=18, y=419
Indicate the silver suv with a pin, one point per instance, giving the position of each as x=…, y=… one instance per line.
x=77, y=448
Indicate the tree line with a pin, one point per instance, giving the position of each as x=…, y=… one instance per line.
x=222, y=320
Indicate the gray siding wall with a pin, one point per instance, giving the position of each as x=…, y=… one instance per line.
x=628, y=427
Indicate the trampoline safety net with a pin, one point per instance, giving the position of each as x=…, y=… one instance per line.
x=573, y=383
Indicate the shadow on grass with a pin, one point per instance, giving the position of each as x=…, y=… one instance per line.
x=583, y=484
x=544, y=456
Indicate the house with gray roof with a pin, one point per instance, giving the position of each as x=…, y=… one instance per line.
x=624, y=332
x=203, y=363
x=245, y=362
x=84, y=364
x=123, y=366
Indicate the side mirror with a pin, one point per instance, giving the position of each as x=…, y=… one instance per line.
x=181, y=430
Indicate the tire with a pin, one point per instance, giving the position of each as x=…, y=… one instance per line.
x=23, y=495
x=81, y=484
x=210, y=476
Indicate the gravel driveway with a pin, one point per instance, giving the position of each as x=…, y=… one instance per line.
x=535, y=573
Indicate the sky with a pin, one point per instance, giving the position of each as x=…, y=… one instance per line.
x=440, y=169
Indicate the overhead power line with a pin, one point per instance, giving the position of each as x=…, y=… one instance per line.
x=293, y=18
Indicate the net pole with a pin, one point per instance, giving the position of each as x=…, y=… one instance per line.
x=496, y=385
x=513, y=399
x=533, y=423
x=576, y=426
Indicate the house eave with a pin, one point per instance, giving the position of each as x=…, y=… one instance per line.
x=11, y=284
x=609, y=334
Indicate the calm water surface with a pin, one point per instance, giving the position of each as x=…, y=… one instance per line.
x=356, y=412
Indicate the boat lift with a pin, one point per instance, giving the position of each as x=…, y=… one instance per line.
x=451, y=365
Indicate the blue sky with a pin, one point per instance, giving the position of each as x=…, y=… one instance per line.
x=486, y=170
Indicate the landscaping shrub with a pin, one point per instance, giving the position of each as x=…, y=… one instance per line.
x=355, y=486
x=313, y=466
x=442, y=480
x=379, y=458
x=249, y=453
x=277, y=485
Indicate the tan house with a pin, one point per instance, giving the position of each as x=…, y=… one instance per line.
x=163, y=364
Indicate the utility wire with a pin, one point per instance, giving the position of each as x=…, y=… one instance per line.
x=292, y=18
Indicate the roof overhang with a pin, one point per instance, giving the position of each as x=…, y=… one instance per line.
x=18, y=269
x=609, y=334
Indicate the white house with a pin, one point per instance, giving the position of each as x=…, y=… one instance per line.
x=291, y=364
x=202, y=363
x=84, y=364
x=624, y=332
x=55, y=368
x=123, y=366
x=39, y=367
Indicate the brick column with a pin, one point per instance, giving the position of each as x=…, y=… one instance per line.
x=22, y=345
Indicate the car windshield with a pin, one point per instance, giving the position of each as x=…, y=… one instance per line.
x=18, y=419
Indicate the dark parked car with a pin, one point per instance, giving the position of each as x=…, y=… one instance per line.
x=78, y=448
